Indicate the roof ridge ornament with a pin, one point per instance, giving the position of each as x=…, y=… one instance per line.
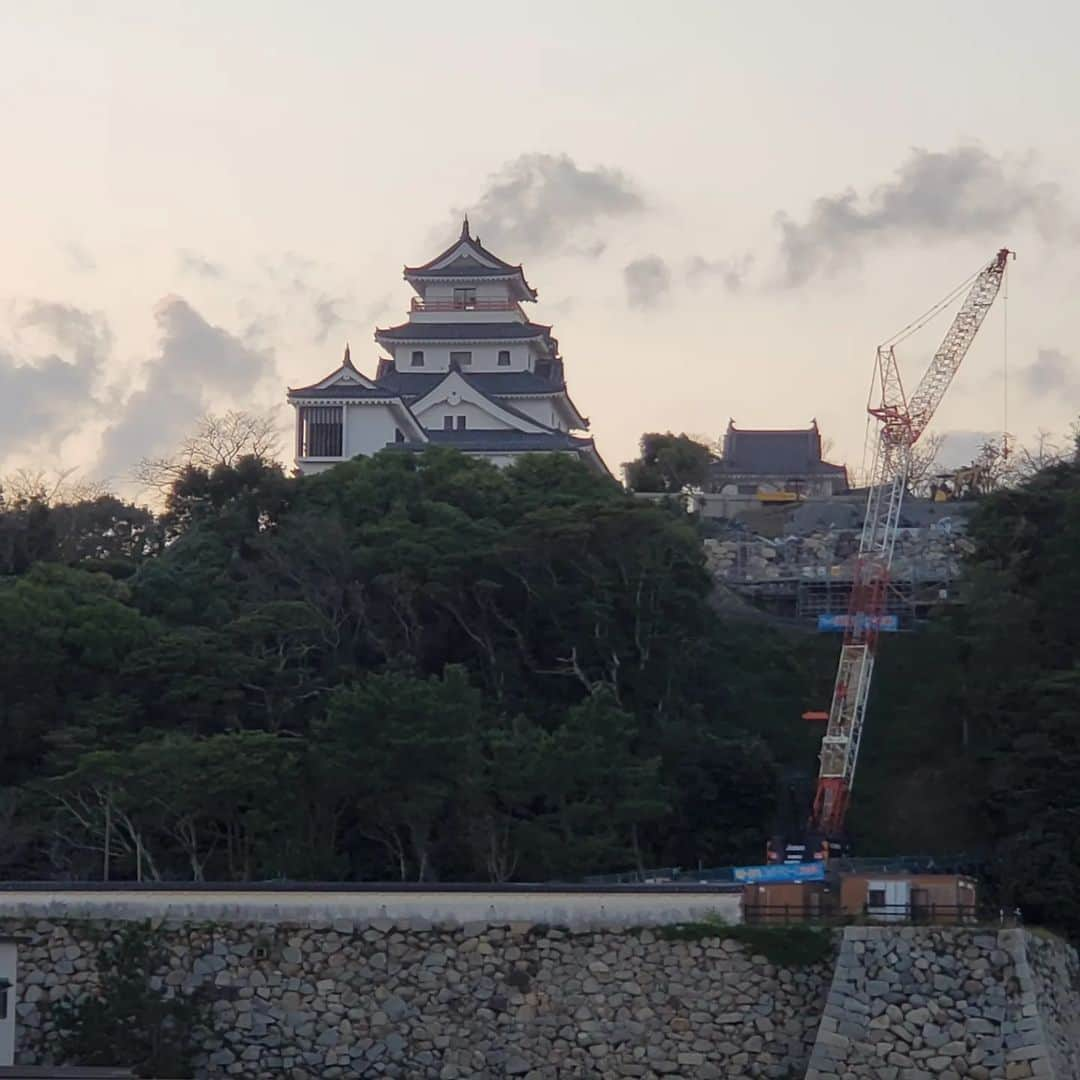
x=465, y=227
x=347, y=362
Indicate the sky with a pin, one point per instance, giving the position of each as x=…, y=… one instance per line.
x=724, y=206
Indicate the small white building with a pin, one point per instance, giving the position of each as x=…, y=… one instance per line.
x=9, y=955
x=467, y=370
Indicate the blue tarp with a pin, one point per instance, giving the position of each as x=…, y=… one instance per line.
x=885, y=623
x=809, y=871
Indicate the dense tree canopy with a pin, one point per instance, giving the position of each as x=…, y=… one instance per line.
x=419, y=666
x=413, y=666
x=668, y=463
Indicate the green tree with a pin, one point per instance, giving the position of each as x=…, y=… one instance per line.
x=128, y=1022
x=668, y=463
x=435, y=667
x=66, y=633
x=599, y=790
x=223, y=807
x=400, y=751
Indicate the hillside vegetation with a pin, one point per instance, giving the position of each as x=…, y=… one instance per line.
x=422, y=667
x=412, y=666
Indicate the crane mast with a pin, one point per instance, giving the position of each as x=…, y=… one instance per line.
x=901, y=420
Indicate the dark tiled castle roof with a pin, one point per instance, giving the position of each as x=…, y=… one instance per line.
x=498, y=331
x=414, y=384
x=794, y=452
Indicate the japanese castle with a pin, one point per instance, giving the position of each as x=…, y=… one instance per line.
x=468, y=370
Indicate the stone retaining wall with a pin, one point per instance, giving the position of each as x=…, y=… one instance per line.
x=401, y=998
x=391, y=999
x=1055, y=972
x=918, y=1004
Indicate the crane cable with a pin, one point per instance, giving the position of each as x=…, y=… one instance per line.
x=936, y=310
x=916, y=325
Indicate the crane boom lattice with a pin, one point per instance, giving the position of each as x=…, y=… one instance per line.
x=901, y=421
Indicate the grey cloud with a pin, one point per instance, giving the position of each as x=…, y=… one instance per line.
x=539, y=203
x=731, y=273
x=191, y=262
x=592, y=249
x=88, y=336
x=1052, y=374
x=196, y=366
x=960, y=192
x=647, y=281
x=42, y=401
x=44, y=398
x=326, y=317
x=962, y=446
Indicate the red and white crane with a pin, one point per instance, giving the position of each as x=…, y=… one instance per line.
x=901, y=420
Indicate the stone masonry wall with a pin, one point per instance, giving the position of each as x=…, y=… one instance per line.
x=949, y=1002
x=1055, y=972
x=412, y=1000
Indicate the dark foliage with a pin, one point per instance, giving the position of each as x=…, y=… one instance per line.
x=668, y=463
x=409, y=666
x=422, y=667
x=128, y=1022
x=974, y=739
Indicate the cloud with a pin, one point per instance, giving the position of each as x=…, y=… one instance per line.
x=731, y=272
x=326, y=317
x=45, y=396
x=88, y=336
x=1052, y=375
x=197, y=367
x=647, y=280
x=79, y=258
x=962, y=446
x=191, y=262
x=290, y=272
x=540, y=203
x=965, y=191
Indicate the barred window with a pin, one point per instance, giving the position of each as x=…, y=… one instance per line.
x=319, y=432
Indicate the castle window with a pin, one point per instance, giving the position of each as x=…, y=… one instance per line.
x=448, y=423
x=463, y=358
x=504, y=358
x=465, y=299
x=319, y=431
x=418, y=358
x=461, y=423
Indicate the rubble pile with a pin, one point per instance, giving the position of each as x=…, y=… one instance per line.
x=931, y=553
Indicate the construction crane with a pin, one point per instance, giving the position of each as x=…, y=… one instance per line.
x=901, y=420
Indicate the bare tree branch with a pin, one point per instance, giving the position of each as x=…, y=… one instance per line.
x=217, y=440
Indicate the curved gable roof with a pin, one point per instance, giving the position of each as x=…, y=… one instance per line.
x=468, y=258
x=467, y=331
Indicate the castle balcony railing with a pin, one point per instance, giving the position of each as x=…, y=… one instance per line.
x=420, y=304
